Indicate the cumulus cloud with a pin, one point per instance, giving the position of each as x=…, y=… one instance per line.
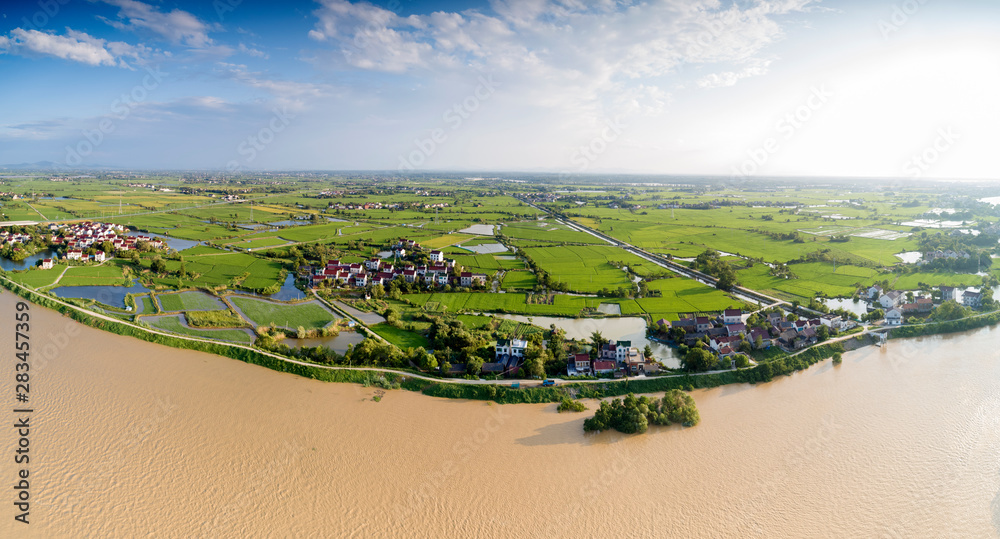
x=74, y=46
x=257, y=53
x=587, y=56
x=176, y=26
x=729, y=78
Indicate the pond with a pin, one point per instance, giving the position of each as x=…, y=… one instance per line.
x=857, y=307
x=291, y=222
x=29, y=262
x=910, y=257
x=108, y=295
x=288, y=292
x=338, y=344
x=618, y=329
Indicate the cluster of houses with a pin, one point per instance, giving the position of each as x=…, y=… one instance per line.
x=380, y=206
x=897, y=308
x=81, y=236
x=616, y=358
x=931, y=256
x=726, y=332
x=8, y=238
x=440, y=271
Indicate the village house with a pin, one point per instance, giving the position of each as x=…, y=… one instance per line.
x=831, y=321
x=891, y=299
x=894, y=317
x=604, y=367
x=736, y=329
x=763, y=335
x=947, y=293
x=48, y=263
x=510, y=348
x=874, y=292
x=972, y=299
x=468, y=278
x=687, y=324
x=732, y=316
x=704, y=323
x=580, y=363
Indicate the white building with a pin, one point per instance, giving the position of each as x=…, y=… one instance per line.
x=507, y=349
x=890, y=300
x=894, y=317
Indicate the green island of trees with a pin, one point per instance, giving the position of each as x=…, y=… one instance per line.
x=633, y=415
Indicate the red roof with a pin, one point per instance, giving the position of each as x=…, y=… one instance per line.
x=604, y=365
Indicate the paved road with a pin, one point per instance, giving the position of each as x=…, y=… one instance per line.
x=326, y=367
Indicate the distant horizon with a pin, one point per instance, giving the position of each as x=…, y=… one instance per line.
x=6, y=170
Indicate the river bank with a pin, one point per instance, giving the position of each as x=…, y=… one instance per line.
x=156, y=440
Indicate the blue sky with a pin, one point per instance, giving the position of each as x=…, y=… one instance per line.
x=746, y=88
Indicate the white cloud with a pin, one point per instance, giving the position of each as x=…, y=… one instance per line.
x=177, y=26
x=729, y=78
x=595, y=58
x=252, y=51
x=289, y=93
x=74, y=46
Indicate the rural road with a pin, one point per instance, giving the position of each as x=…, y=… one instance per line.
x=326, y=367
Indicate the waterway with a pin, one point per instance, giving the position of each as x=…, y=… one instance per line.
x=108, y=295
x=338, y=344
x=29, y=262
x=136, y=439
x=855, y=306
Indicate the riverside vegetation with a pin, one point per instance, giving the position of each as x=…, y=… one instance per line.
x=798, y=244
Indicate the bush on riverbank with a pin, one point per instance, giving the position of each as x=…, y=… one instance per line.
x=570, y=405
x=633, y=415
x=949, y=326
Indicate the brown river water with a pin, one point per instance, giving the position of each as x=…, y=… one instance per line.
x=134, y=439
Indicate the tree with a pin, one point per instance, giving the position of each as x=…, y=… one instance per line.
x=598, y=339
x=474, y=365
x=534, y=361
x=158, y=265
x=392, y=316
x=837, y=359
x=698, y=359
x=742, y=361
x=647, y=352
x=823, y=333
